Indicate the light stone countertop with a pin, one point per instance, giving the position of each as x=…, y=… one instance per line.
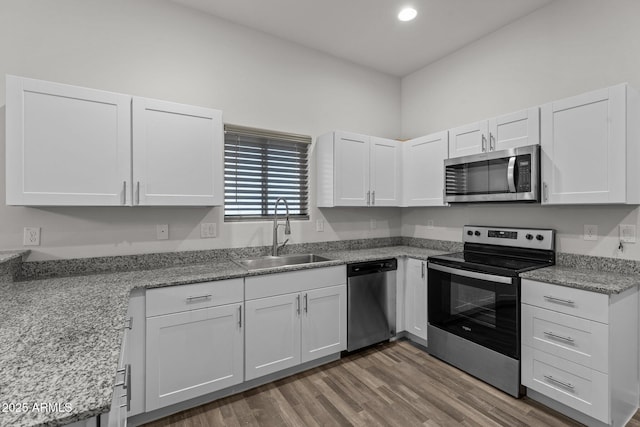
x=603, y=282
x=60, y=337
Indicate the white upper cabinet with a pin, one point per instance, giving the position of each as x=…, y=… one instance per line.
x=66, y=145
x=352, y=169
x=357, y=170
x=423, y=170
x=177, y=154
x=385, y=176
x=590, y=148
x=515, y=130
x=468, y=139
x=73, y=146
x=500, y=133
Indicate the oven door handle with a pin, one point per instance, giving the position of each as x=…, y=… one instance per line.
x=470, y=274
x=511, y=177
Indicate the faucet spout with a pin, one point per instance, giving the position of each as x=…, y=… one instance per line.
x=287, y=226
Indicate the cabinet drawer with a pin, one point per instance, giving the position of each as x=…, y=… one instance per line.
x=576, y=386
x=174, y=299
x=576, y=302
x=572, y=338
x=294, y=281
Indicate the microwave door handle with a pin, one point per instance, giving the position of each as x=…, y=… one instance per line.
x=511, y=177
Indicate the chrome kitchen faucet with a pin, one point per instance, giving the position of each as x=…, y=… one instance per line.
x=287, y=226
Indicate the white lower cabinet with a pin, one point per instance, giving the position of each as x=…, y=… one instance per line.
x=273, y=334
x=194, y=352
x=284, y=328
x=415, y=309
x=580, y=350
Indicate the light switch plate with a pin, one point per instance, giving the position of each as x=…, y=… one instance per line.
x=319, y=225
x=31, y=236
x=208, y=230
x=162, y=231
x=590, y=232
x=628, y=233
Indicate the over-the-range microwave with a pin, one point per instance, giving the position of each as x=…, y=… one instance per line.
x=511, y=175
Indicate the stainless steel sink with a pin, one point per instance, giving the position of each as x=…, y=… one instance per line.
x=280, y=261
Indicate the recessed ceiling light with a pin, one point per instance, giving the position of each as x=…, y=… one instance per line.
x=407, y=14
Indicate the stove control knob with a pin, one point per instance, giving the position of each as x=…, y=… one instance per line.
x=477, y=233
x=469, y=233
x=529, y=236
x=540, y=237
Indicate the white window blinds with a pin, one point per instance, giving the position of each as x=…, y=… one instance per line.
x=259, y=167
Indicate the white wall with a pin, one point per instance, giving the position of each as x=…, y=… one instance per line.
x=565, y=48
x=162, y=50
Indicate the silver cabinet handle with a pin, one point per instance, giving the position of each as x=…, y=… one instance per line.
x=562, y=383
x=423, y=268
x=368, y=198
x=484, y=143
x=240, y=316
x=138, y=193
x=124, y=192
x=492, y=140
x=125, y=380
x=306, y=303
x=560, y=337
x=298, y=304
x=373, y=198
x=189, y=299
x=560, y=300
x=511, y=177
x=545, y=192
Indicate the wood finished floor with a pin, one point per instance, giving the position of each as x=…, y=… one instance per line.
x=393, y=384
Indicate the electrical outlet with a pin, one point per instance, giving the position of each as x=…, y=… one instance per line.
x=372, y=224
x=627, y=233
x=319, y=224
x=430, y=224
x=31, y=236
x=208, y=230
x=162, y=231
x=590, y=232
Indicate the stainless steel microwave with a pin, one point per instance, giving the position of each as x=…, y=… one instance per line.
x=498, y=176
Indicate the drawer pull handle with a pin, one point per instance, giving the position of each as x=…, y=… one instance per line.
x=189, y=299
x=562, y=383
x=560, y=337
x=554, y=299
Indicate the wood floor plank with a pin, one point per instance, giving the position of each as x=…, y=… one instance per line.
x=394, y=384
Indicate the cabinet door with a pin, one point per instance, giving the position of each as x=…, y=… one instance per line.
x=385, y=172
x=324, y=322
x=178, y=154
x=193, y=353
x=66, y=145
x=272, y=334
x=423, y=171
x=515, y=130
x=416, y=298
x=469, y=139
x=351, y=153
x=583, y=148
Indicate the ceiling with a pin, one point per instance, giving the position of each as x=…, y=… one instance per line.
x=367, y=32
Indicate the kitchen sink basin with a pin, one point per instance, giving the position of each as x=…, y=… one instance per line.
x=280, y=261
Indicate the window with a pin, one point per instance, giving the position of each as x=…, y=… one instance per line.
x=259, y=167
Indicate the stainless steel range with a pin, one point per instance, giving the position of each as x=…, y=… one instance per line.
x=474, y=301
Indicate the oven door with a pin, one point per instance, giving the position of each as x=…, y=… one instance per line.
x=480, y=307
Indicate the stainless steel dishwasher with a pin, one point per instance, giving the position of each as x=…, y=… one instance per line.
x=371, y=302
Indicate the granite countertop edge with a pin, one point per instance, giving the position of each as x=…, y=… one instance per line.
x=593, y=281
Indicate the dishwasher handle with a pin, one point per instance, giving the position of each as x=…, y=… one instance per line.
x=371, y=267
